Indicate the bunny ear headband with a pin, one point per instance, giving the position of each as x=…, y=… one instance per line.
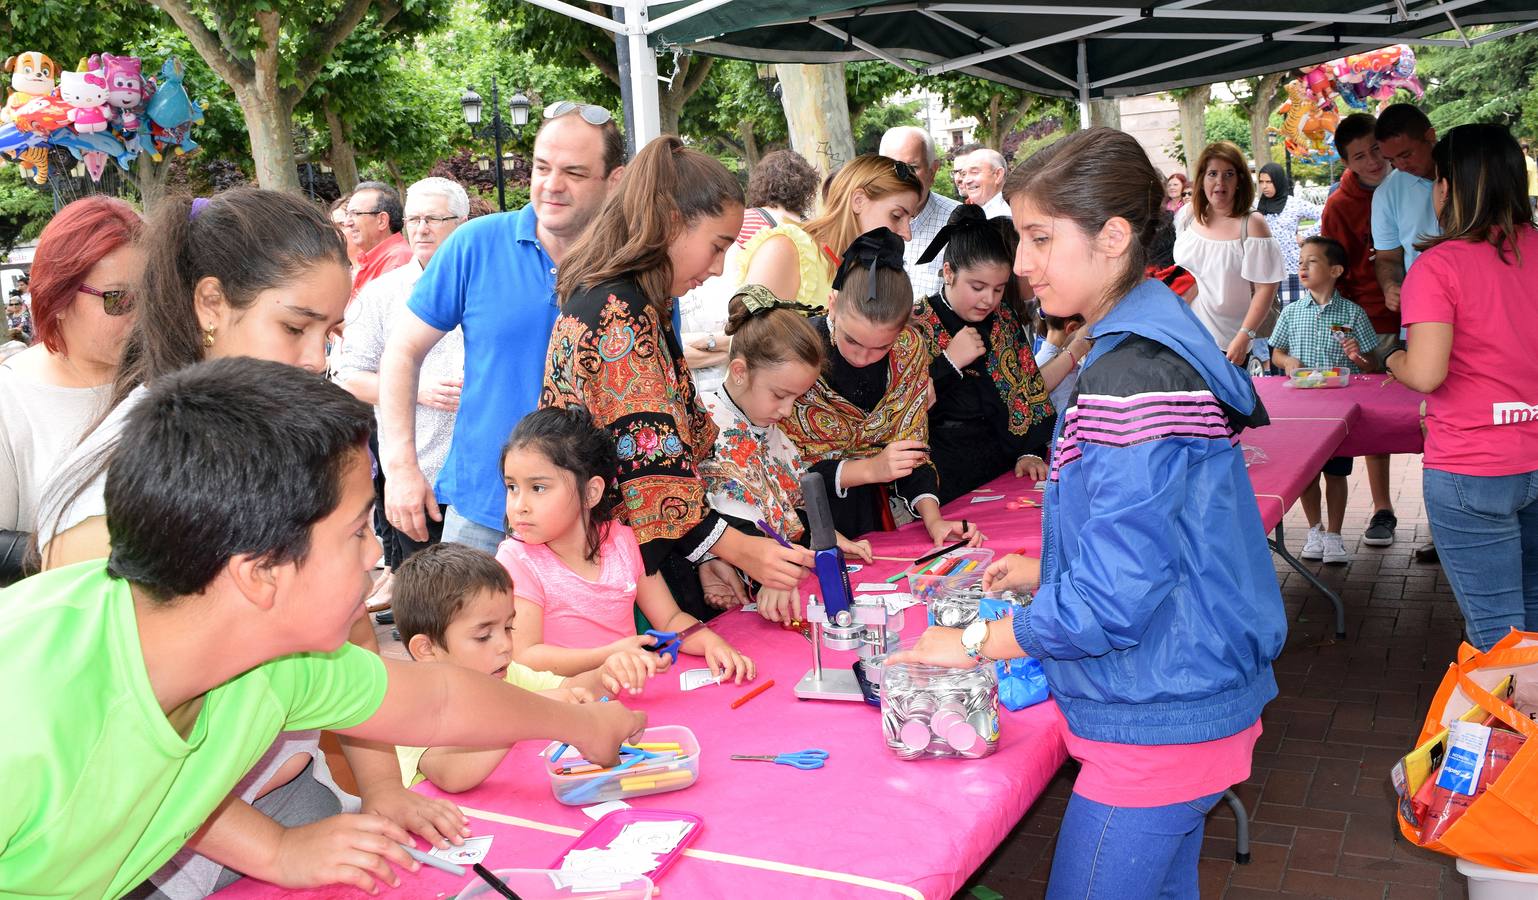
x=873, y=249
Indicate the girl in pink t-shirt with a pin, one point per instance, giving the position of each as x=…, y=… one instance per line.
x=577, y=574
x=1469, y=304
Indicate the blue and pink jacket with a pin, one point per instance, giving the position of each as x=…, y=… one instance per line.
x=1158, y=614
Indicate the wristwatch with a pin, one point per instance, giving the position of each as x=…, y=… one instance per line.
x=710, y=342
x=972, y=639
x=1251, y=332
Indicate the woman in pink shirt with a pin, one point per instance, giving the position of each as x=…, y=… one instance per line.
x=1469, y=303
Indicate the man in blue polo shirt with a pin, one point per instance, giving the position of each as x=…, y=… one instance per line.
x=494, y=278
x=1402, y=215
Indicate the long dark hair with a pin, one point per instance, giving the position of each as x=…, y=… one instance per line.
x=250, y=239
x=1486, y=189
x=666, y=188
x=569, y=437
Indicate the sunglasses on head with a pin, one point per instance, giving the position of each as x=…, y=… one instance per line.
x=905, y=173
x=113, y=303
x=591, y=114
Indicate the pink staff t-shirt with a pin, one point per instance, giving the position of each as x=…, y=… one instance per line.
x=1483, y=420
x=579, y=614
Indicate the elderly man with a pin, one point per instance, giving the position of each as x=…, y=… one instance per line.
x=982, y=180
x=435, y=207
x=373, y=226
x=913, y=145
x=495, y=277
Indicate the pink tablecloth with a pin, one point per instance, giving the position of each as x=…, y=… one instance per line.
x=1296, y=449
x=916, y=829
x=1379, y=418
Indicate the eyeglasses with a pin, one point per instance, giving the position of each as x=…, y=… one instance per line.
x=905, y=173
x=1186, y=194
x=113, y=303
x=419, y=221
x=592, y=115
x=354, y=213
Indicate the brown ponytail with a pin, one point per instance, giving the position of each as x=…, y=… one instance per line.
x=665, y=189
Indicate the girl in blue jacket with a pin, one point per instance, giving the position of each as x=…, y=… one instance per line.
x=1158, y=612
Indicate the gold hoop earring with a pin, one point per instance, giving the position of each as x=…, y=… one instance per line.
x=208, y=337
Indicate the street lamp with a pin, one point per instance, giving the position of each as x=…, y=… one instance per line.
x=518, y=111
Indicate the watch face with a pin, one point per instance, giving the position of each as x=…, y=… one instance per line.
x=975, y=634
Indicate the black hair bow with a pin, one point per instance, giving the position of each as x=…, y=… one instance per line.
x=873, y=249
x=963, y=218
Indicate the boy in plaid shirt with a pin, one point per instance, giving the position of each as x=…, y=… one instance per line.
x=1323, y=331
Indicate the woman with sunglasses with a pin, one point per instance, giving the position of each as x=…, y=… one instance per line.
x=865, y=421
x=797, y=261
x=51, y=392
x=247, y=273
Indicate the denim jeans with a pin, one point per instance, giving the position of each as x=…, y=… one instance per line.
x=1486, y=532
x=1129, y=853
x=459, y=530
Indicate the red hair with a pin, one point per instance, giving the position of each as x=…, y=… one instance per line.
x=79, y=236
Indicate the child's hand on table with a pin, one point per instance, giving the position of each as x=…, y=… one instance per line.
x=1012, y=573
x=857, y=549
x=630, y=663
x=1031, y=466
x=779, y=606
x=722, y=584
x=725, y=662
x=347, y=849
x=944, y=531
x=438, y=822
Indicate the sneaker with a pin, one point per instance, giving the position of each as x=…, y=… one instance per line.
x=1334, y=549
x=1313, y=545
x=1380, y=530
x=1427, y=555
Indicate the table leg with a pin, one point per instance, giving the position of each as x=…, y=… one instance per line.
x=1279, y=547
x=1241, y=827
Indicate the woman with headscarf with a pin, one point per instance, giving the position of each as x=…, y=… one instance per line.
x=865, y=420
x=1284, y=213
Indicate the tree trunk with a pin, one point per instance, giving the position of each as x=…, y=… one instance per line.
x=817, y=113
x=149, y=179
x=344, y=160
x=750, y=151
x=1105, y=111
x=270, y=123
x=1193, y=123
x=994, y=123
x=1264, y=101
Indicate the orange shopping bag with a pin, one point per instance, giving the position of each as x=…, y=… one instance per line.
x=1500, y=828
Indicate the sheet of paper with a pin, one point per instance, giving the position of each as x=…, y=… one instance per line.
x=599, y=810
x=989, y=499
x=872, y=586
x=694, y=679
x=472, y=851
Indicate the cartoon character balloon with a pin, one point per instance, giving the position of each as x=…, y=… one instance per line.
x=32, y=75
x=126, y=90
x=1317, y=97
x=172, y=111
x=86, y=94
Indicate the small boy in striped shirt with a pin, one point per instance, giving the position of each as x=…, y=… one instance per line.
x=1323, y=331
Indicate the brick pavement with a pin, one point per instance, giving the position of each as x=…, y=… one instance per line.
x=1321, y=808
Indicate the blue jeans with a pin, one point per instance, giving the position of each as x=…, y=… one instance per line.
x=459, y=530
x=1486, y=532
x=1127, y=852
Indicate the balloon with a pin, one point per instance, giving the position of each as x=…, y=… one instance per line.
x=95, y=164
x=32, y=77
x=172, y=111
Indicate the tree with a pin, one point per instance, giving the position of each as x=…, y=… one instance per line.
x=270, y=53
x=737, y=112
x=817, y=111
x=567, y=42
x=1262, y=98
x=1491, y=82
x=1193, y=121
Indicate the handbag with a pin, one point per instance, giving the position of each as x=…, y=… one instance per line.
x=1499, y=828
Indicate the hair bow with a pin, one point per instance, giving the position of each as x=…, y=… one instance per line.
x=963, y=218
x=875, y=248
x=759, y=300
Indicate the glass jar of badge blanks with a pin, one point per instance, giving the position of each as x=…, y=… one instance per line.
x=933, y=712
x=960, y=608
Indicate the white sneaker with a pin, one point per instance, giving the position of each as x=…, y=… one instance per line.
x=1335, y=549
x=1313, y=545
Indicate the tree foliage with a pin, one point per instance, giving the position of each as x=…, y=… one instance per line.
x=1491, y=82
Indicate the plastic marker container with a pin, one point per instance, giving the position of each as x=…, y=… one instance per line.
x=669, y=770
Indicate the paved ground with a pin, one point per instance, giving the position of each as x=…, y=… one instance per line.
x=1321, y=808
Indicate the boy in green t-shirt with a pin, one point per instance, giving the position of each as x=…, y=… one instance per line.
x=143, y=688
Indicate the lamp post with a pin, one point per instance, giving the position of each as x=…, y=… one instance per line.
x=518, y=112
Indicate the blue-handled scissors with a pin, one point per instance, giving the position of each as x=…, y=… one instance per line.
x=668, y=643
x=802, y=759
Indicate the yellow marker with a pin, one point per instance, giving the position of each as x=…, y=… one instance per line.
x=673, y=746
x=651, y=781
